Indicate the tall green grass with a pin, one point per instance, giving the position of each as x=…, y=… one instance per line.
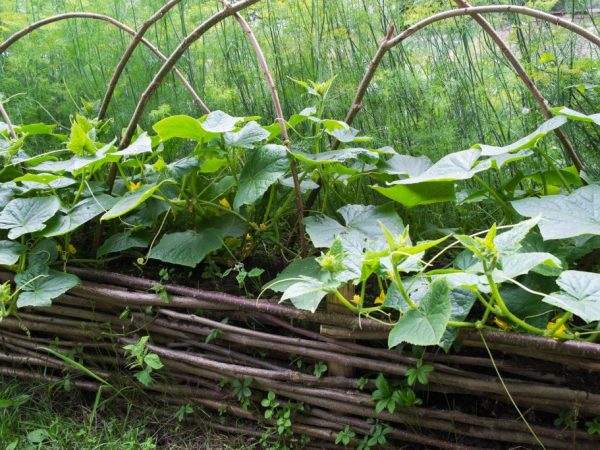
x=446, y=88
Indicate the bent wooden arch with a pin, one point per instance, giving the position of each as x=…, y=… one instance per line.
x=527, y=81
x=196, y=34
x=390, y=42
x=83, y=15
x=137, y=38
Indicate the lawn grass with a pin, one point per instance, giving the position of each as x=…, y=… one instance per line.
x=40, y=416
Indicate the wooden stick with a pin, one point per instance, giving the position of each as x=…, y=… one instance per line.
x=6, y=118
x=282, y=124
x=527, y=81
x=137, y=38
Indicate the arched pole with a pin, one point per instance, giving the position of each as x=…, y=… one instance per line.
x=527, y=81
x=83, y=15
x=388, y=44
x=196, y=34
x=280, y=118
x=137, y=38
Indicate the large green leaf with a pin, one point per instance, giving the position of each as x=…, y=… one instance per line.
x=526, y=142
x=187, y=248
x=39, y=286
x=564, y=216
x=306, y=293
x=219, y=122
x=143, y=144
x=426, y=193
x=181, y=126
x=358, y=219
x=10, y=252
x=411, y=166
x=247, y=136
x=580, y=294
x=263, y=168
x=576, y=115
x=81, y=213
x=77, y=164
x=122, y=241
x=334, y=156
x=452, y=167
x=308, y=267
x=131, y=200
x=26, y=215
x=427, y=324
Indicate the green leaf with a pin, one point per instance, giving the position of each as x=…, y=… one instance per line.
x=509, y=241
x=308, y=267
x=363, y=220
x=77, y=164
x=452, y=167
x=411, y=166
x=187, y=248
x=427, y=193
x=526, y=305
x=307, y=293
x=10, y=252
x=576, y=115
x=26, y=215
x=564, y=216
x=131, y=200
x=247, y=136
x=462, y=300
x=79, y=141
x=334, y=156
x=122, y=241
x=580, y=294
x=263, y=168
x=153, y=360
x=81, y=213
x=181, y=126
x=219, y=122
x=39, y=286
x=143, y=144
x=426, y=325
x=526, y=142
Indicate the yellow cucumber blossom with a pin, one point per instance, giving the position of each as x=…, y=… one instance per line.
x=356, y=299
x=133, y=185
x=224, y=203
x=562, y=329
x=71, y=249
x=380, y=298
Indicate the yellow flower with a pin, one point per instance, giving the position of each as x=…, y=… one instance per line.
x=59, y=248
x=500, y=323
x=262, y=227
x=248, y=237
x=379, y=300
x=356, y=299
x=562, y=329
x=71, y=249
x=224, y=203
x=133, y=185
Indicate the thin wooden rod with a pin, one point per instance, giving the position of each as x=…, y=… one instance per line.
x=137, y=38
x=280, y=119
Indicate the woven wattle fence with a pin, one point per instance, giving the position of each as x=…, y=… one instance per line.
x=262, y=338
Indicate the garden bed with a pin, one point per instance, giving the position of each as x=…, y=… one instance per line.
x=261, y=343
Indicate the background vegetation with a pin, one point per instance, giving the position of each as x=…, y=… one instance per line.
x=445, y=89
